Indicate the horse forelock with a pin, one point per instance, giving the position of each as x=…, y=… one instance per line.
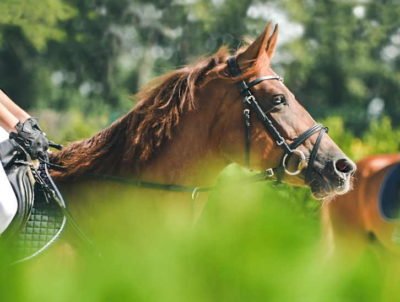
x=134, y=138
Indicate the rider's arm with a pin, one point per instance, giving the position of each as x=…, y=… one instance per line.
x=13, y=109
x=7, y=120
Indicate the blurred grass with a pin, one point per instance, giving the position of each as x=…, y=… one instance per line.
x=251, y=244
x=258, y=242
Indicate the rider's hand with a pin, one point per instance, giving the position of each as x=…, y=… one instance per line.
x=31, y=138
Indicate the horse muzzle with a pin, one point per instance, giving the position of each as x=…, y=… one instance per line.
x=333, y=178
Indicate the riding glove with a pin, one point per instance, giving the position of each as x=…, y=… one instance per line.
x=31, y=138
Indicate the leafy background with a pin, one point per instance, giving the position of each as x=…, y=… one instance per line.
x=76, y=63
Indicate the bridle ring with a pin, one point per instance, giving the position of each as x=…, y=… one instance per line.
x=300, y=166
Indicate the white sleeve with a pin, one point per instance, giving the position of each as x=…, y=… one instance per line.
x=3, y=134
x=8, y=201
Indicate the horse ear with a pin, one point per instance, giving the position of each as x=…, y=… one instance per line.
x=271, y=44
x=255, y=49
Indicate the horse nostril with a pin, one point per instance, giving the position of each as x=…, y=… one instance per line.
x=345, y=166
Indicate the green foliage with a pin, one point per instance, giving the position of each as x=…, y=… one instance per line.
x=36, y=19
x=250, y=244
x=70, y=126
x=339, y=133
x=382, y=137
x=91, y=55
x=346, y=57
x=111, y=48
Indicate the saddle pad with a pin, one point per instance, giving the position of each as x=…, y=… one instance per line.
x=389, y=196
x=41, y=230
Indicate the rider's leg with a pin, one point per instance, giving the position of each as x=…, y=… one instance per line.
x=8, y=201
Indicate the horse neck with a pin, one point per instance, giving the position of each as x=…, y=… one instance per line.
x=191, y=156
x=99, y=154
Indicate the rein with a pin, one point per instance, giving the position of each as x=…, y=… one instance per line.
x=194, y=190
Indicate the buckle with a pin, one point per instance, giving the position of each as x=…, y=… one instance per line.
x=249, y=99
x=301, y=165
x=269, y=173
x=195, y=193
x=280, y=143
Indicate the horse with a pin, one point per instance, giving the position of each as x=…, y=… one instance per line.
x=367, y=217
x=190, y=123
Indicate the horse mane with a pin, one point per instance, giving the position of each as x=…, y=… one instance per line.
x=134, y=139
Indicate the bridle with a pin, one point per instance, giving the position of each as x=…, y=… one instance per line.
x=250, y=104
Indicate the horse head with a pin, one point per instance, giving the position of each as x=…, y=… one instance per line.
x=215, y=110
x=260, y=117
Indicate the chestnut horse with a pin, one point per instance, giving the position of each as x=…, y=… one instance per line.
x=356, y=220
x=189, y=124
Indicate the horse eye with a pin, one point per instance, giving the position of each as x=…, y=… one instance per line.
x=278, y=99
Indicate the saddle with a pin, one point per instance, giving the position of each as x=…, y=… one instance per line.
x=389, y=195
x=40, y=218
